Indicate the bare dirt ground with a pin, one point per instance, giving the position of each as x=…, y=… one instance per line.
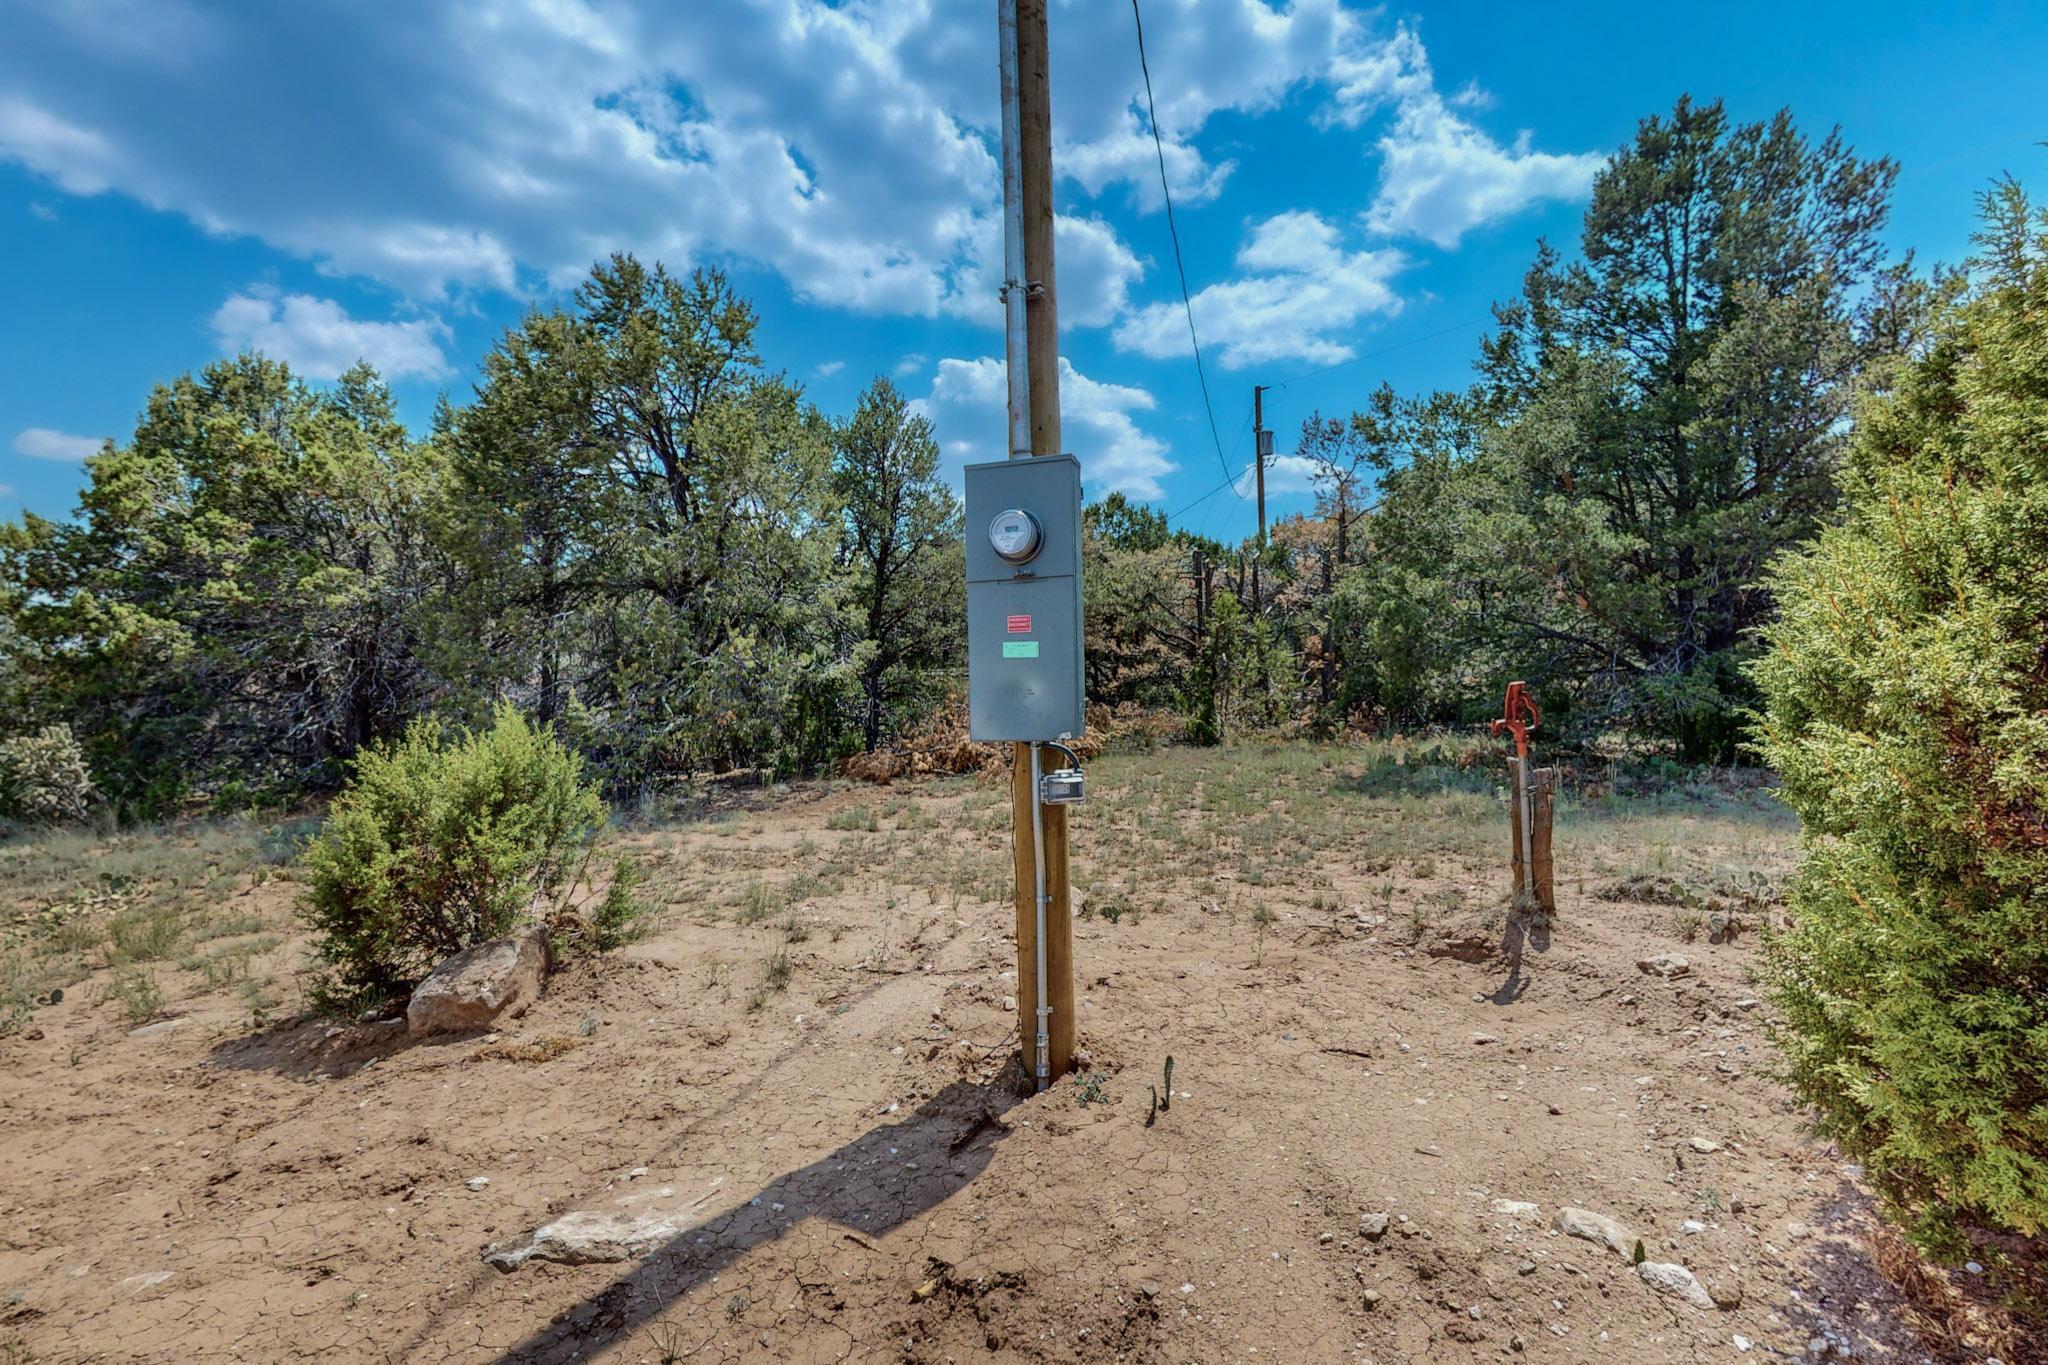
x=797, y=1097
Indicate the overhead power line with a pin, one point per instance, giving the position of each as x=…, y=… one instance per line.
x=1173, y=231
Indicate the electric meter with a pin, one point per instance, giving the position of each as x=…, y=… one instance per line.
x=1025, y=640
x=1015, y=535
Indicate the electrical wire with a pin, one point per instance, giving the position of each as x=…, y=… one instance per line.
x=1173, y=230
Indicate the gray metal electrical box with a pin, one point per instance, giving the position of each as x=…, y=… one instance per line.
x=1023, y=531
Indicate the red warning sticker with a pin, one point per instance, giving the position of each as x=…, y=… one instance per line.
x=1020, y=625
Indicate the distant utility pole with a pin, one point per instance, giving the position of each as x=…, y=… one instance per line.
x=1262, y=451
x=1027, y=187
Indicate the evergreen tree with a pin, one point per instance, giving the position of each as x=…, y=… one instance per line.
x=901, y=545
x=1905, y=692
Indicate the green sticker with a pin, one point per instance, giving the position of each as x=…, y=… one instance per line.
x=1020, y=649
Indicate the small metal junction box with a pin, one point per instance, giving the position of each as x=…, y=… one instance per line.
x=1024, y=638
x=1063, y=787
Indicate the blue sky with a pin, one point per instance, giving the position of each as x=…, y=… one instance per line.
x=328, y=179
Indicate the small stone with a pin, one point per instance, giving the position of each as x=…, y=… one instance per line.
x=1372, y=1299
x=1675, y=1280
x=1526, y=1268
x=1727, y=1294
x=636, y=1173
x=1010, y=1003
x=156, y=1030
x=477, y=1182
x=1595, y=1227
x=1798, y=1232
x=1516, y=1344
x=1666, y=965
x=1693, y=1225
x=1482, y=1039
x=1372, y=1226
x=1747, y=1004
x=1516, y=1208
x=1973, y=1267
x=1703, y=1145
x=1326, y=1239
x=1475, y=1312
x=1742, y=1343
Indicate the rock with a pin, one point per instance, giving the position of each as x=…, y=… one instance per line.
x=480, y=986
x=1465, y=948
x=1516, y=1208
x=477, y=1182
x=1526, y=1268
x=1666, y=965
x=1798, y=1232
x=1010, y=1001
x=1372, y=1226
x=1595, y=1227
x=1482, y=1039
x=1675, y=1280
x=157, y=1030
x=1741, y=1342
x=593, y=1239
x=1747, y=1004
x=1703, y=1145
x=1727, y=1294
x=1372, y=1299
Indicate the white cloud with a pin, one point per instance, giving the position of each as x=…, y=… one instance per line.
x=849, y=147
x=1441, y=175
x=831, y=367
x=1301, y=289
x=319, y=339
x=79, y=159
x=1095, y=271
x=967, y=408
x=911, y=364
x=1285, y=474
x=6, y=490
x=41, y=443
x=46, y=212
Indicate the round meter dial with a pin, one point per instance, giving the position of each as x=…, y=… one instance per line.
x=1015, y=535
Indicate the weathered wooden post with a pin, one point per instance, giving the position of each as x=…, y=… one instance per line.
x=1532, y=796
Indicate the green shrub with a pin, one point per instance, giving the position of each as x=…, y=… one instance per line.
x=1906, y=707
x=43, y=778
x=442, y=842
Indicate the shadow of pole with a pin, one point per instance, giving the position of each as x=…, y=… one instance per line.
x=870, y=1186
x=1522, y=929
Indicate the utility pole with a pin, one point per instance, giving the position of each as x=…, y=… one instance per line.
x=1262, y=450
x=1038, y=829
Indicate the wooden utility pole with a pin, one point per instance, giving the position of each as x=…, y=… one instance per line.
x=1043, y=363
x=1261, y=447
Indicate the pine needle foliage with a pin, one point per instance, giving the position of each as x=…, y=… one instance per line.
x=1905, y=691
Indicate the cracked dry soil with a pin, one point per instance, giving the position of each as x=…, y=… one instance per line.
x=843, y=1166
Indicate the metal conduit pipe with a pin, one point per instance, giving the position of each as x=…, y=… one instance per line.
x=1014, y=289
x=1044, y=1067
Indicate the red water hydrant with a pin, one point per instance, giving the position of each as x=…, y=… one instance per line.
x=1518, y=717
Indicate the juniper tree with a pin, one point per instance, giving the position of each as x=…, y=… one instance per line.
x=1905, y=689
